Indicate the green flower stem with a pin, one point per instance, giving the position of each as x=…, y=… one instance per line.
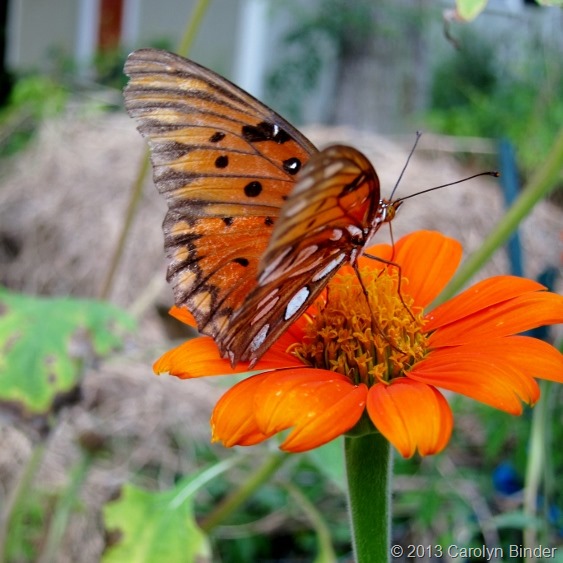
x=239, y=496
x=540, y=185
x=368, y=468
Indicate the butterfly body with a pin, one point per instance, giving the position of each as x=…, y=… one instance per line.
x=258, y=220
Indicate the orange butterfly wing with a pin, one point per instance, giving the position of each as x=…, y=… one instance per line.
x=226, y=164
x=331, y=213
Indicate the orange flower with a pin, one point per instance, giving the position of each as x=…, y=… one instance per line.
x=344, y=358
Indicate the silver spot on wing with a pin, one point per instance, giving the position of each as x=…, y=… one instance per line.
x=295, y=302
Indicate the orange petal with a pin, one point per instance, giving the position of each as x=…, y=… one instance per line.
x=428, y=260
x=411, y=416
x=233, y=422
x=382, y=251
x=320, y=405
x=489, y=375
x=200, y=357
x=521, y=313
x=528, y=355
x=482, y=295
x=183, y=315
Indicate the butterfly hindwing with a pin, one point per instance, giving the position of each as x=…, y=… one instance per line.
x=329, y=216
x=226, y=164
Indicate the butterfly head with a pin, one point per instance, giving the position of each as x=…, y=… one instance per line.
x=388, y=210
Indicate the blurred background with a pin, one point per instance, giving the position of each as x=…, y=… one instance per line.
x=488, y=94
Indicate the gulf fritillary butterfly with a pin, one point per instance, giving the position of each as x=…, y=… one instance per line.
x=258, y=219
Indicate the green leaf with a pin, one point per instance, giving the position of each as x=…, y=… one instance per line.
x=152, y=527
x=556, y=3
x=44, y=342
x=468, y=10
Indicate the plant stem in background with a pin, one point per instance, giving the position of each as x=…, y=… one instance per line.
x=16, y=499
x=134, y=199
x=539, y=186
x=536, y=463
x=184, y=46
x=245, y=491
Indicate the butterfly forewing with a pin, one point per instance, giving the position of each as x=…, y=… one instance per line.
x=226, y=164
x=332, y=211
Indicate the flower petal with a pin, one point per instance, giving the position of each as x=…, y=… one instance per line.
x=319, y=404
x=183, y=315
x=428, y=261
x=200, y=357
x=233, y=422
x=411, y=416
x=482, y=295
x=521, y=313
x=486, y=374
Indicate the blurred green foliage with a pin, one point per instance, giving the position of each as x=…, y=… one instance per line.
x=337, y=25
x=474, y=94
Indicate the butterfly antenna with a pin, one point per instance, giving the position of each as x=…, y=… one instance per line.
x=493, y=173
x=418, y=135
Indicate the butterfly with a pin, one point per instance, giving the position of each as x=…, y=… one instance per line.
x=258, y=219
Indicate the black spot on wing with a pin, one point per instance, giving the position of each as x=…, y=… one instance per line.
x=265, y=131
x=292, y=165
x=222, y=161
x=242, y=261
x=253, y=189
x=216, y=137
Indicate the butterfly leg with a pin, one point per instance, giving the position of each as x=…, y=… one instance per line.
x=399, y=269
x=374, y=324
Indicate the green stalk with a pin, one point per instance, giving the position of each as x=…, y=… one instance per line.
x=63, y=509
x=536, y=464
x=540, y=185
x=184, y=46
x=192, y=28
x=325, y=550
x=239, y=496
x=17, y=497
x=368, y=469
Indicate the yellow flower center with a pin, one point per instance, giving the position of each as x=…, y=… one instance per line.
x=367, y=343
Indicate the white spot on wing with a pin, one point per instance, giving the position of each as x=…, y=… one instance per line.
x=295, y=302
x=332, y=169
x=264, y=307
x=272, y=266
x=353, y=230
x=305, y=253
x=329, y=267
x=295, y=207
x=258, y=340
